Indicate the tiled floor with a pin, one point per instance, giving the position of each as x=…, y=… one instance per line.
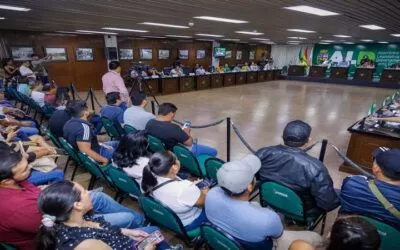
x=260, y=111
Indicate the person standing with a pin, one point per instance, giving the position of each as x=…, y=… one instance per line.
x=113, y=82
x=38, y=65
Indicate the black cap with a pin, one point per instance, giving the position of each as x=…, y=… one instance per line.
x=388, y=159
x=296, y=133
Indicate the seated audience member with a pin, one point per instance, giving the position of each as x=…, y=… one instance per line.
x=171, y=134
x=25, y=71
x=49, y=96
x=37, y=94
x=357, y=195
x=20, y=217
x=10, y=69
x=245, y=67
x=65, y=224
x=253, y=66
x=113, y=111
x=79, y=133
x=132, y=155
x=227, y=68
x=136, y=116
x=351, y=233
x=177, y=71
x=289, y=165
x=227, y=206
x=200, y=70
x=237, y=68
x=160, y=180
x=25, y=129
x=62, y=97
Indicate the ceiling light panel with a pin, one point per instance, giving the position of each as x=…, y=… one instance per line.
x=312, y=10
x=255, y=33
x=121, y=29
x=210, y=35
x=372, y=27
x=220, y=19
x=166, y=25
x=301, y=30
x=96, y=32
x=15, y=8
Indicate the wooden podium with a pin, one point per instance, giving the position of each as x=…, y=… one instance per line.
x=390, y=76
x=186, y=83
x=339, y=72
x=364, y=74
x=317, y=71
x=296, y=70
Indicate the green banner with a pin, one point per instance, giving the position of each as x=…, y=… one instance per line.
x=385, y=55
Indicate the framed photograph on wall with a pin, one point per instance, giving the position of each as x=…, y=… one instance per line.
x=200, y=54
x=183, y=54
x=21, y=53
x=56, y=54
x=239, y=55
x=146, y=54
x=163, y=54
x=228, y=54
x=126, y=54
x=84, y=54
x=252, y=55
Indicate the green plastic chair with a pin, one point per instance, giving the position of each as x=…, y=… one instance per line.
x=5, y=246
x=95, y=169
x=164, y=216
x=211, y=166
x=194, y=165
x=216, y=238
x=389, y=235
x=110, y=128
x=125, y=185
x=53, y=138
x=129, y=129
x=72, y=155
x=286, y=201
x=155, y=144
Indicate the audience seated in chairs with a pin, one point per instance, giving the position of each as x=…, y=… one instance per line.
x=20, y=218
x=291, y=166
x=160, y=181
x=357, y=195
x=25, y=128
x=351, y=233
x=132, y=155
x=136, y=116
x=228, y=207
x=79, y=133
x=171, y=134
x=113, y=111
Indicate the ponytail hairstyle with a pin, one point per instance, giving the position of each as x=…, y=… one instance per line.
x=159, y=164
x=131, y=147
x=56, y=203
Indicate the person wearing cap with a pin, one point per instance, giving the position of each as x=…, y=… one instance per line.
x=357, y=196
x=227, y=206
x=291, y=166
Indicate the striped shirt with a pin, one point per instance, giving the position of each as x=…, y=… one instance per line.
x=78, y=130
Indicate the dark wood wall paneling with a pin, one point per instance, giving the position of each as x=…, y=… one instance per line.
x=260, y=50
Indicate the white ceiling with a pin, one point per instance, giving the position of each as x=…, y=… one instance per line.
x=263, y=16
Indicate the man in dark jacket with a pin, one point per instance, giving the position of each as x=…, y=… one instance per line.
x=291, y=166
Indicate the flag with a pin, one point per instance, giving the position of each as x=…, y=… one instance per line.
x=386, y=101
x=300, y=55
x=371, y=109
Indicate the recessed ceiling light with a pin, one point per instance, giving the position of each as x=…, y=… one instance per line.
x=158, y=37
x=348, y=43
x=179, y=36
x=75, y=32
x=395, y=35
x=312, y=10
x=210, y=35
x=255, y=33
x=220, y=19
x=366, y=40
x=2, y=18
x=327, y=41
x=120, y=29
x=301, y=30
x=166, y=25
x=231, y=39
x=382, y=42
x=96, y=32
x=342, y=36
x=297, y=37
x=293, y=42
x=372, y=27
x=9, y=7
x=260, y=39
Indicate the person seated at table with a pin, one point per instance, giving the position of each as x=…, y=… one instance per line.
x=364, y=59
x=37, y=93
x=253, y=66
x=160, y=181
x=237, y=68
x=353, y=232
x=136, y=115
x=267, y=66
x=245, y=67
x=227, y=68
x=196, y=67
x=291, y=166
x=219, y=69
x=172, y=134
x=113, y=111
x=343, y=63
x=67, y=224
x=358, y=196
x=200, y=70
x=177, y=71
x=153, y=72
x=79, y=133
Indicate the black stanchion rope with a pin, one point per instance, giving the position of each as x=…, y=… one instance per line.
x=203, y=126
x=75, y=92
x=95, y=99
x=235, y=129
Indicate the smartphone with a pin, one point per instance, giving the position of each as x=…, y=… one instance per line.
x=186, y=124
x=155, y=236
x=204, y=183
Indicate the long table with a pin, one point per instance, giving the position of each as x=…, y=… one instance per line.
x=171, y=85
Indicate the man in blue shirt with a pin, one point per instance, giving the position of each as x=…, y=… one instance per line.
x=113, y=111
x=357, y=197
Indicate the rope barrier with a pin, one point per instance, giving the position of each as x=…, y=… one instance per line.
x=95, y=99
x=311, y=146
x=235, y=129
x=203, y=126
x=75, y=93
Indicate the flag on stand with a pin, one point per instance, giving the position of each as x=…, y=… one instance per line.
x=371, y=109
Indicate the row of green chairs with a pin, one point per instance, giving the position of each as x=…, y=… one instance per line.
x=113, y=131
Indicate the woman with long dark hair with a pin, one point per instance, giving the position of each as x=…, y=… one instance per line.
x=66, y=225
x=160, y=180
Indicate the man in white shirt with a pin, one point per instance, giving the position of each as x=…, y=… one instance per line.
x=177, y=71
x=38, y=95
x=200, y=70
x=136, y=116
x=24, y=70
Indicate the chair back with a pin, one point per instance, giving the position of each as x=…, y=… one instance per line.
x=129, y=129
x=389, y=235
x=70, y=150
x=188, y=160
x=124, y=182
x=212, y=165
x=5, y=246
x=110, y=128
x=93, y=167
x=216, y=238
x=53, y=139
x=155, y=144
x=282, y=199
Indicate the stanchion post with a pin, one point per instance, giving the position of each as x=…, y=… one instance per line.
x=91, y=98
x=72, y=91
x=153, y=107
x=323, y=150
x=228, y=139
